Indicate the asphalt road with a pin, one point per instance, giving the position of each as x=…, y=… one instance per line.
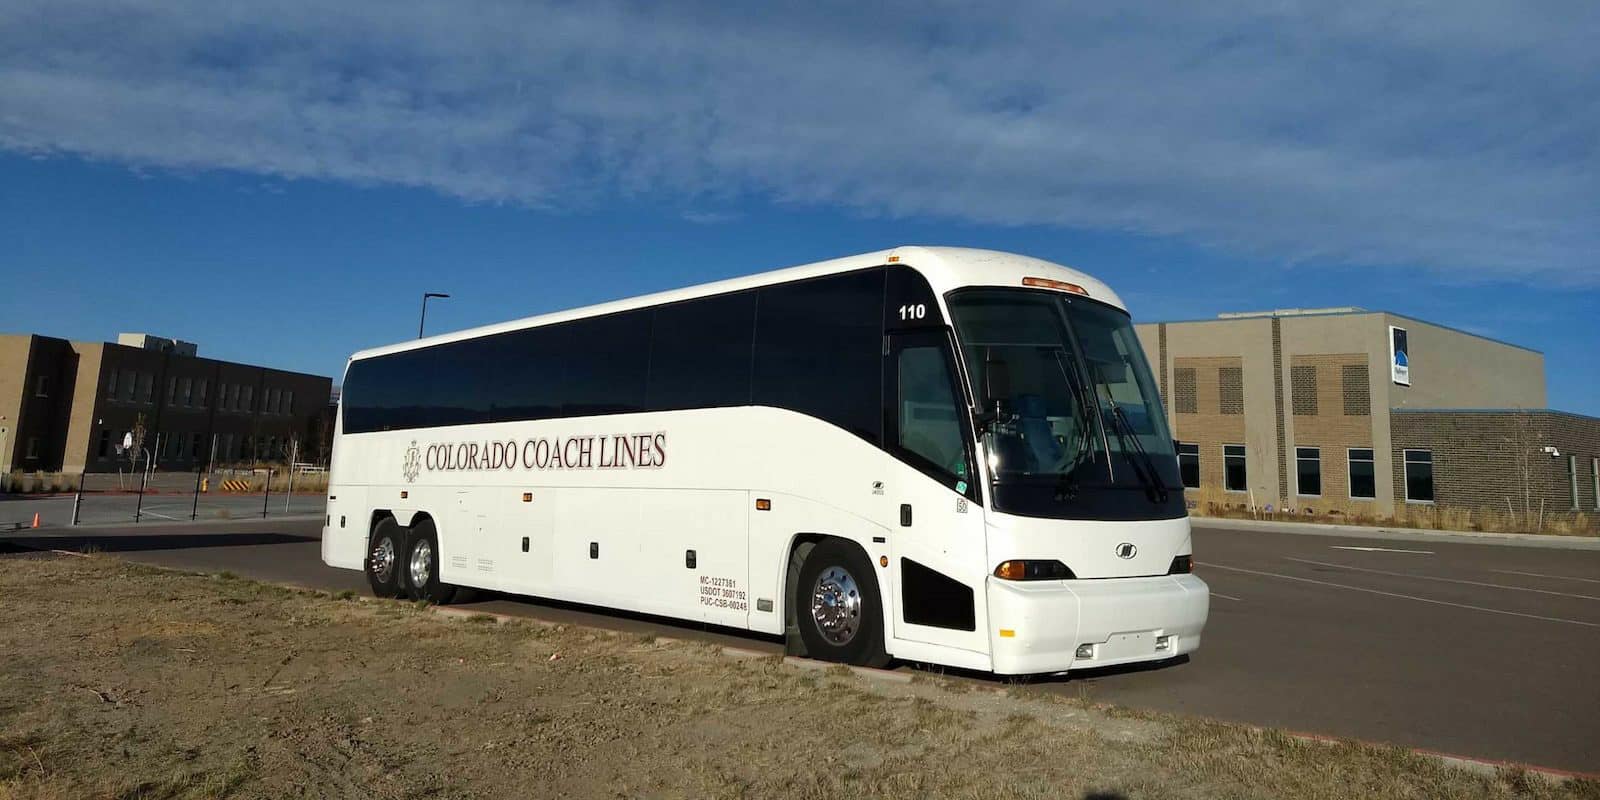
x=1479, y=650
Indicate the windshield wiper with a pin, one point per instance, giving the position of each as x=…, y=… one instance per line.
x=1082, y=419
x=1144, y=466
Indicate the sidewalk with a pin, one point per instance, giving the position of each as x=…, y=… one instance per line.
x=1399, y=534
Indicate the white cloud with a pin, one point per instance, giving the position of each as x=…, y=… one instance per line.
x=1460, y=136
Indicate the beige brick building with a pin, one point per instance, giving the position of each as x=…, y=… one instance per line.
x=69, y=406
x=1315, y=411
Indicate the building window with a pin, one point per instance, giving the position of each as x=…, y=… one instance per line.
x=172, y=390
x=130, y=384
x=202, y=393
x=1419, y=476
x=104, y=449
x=1363, y=475
x=32, y=453
x=147, y=387
x=188, y=391
x=271, y=405
x=1303, y=390
x=247, y=398
x=1357, y=391
x=111, y=385
x=1183, y=391
x=1572, y=478
x=1189, y=465
x=1230, y=390
x=1234, y=478
x=1308, y=471
x=41, y=386
x=288, y=403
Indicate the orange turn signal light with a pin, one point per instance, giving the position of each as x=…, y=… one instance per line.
x=404, y=494
x=763, y=504
x=1011, y=570
x=1049, y=283
x=527, y=497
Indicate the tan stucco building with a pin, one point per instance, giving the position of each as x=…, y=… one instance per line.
x=1314, y=411
x=70, y=405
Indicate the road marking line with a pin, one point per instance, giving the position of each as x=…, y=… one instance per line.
x=1380, y=549
x=1214, y=565
x=1446, y=580
x=1542, y=575
x=1215, y=593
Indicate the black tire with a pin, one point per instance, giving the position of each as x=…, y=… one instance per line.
x=847, y=626
x=422, y=556
x=385, y=549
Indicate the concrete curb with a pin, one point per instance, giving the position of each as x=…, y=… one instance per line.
x=1546, y=541
x=1483, y=766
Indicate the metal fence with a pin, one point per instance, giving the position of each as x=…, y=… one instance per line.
x=160, y=496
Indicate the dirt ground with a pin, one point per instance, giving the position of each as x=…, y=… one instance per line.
x=125, y=681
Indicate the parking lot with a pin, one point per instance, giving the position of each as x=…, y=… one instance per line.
x=1481, y=650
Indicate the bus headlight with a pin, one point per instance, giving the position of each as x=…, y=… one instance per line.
x=1033, y=570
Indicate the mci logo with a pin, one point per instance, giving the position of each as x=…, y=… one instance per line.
x=413, y=465
x=1127, y=550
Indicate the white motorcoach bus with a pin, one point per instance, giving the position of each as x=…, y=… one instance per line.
x=933, y=454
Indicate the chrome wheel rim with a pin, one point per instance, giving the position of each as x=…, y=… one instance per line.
x=836, y=605
x=421, y=563
x=383, y=559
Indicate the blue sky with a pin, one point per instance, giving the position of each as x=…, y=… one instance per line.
x=281, y=188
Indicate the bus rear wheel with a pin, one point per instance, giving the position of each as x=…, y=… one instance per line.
x=421, y=572
x=382, y=563
x=837, y=608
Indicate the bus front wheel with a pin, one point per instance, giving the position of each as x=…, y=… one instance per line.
x=837, y=608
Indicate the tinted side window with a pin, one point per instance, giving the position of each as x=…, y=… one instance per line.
x=700, y=353
x=606, y=358
x=818, y=350
x=524, y=371
x=928, y=413
x=385, y=393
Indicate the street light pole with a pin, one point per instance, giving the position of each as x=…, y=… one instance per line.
x=424, y=320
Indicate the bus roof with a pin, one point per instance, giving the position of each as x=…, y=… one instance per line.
x=946, y=268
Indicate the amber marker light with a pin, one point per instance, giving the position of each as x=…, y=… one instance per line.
x=763, y=504
x=883, y=561
x=527, y=497
x=1048, y=283
x=1011, y=570
x=404, y=494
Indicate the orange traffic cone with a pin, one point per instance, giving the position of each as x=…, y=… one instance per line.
x=35, y=519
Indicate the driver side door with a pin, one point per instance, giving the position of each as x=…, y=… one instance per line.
x=939, y=559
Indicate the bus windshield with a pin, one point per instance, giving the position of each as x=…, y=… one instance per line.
x=1079, y=432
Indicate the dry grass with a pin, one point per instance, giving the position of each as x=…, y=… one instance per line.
x=125, y=681
x=37, y=482
x=1212, y=503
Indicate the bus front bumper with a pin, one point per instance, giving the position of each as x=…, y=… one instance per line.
x=1041, y=626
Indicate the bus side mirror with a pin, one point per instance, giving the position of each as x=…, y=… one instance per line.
x=996, y=383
